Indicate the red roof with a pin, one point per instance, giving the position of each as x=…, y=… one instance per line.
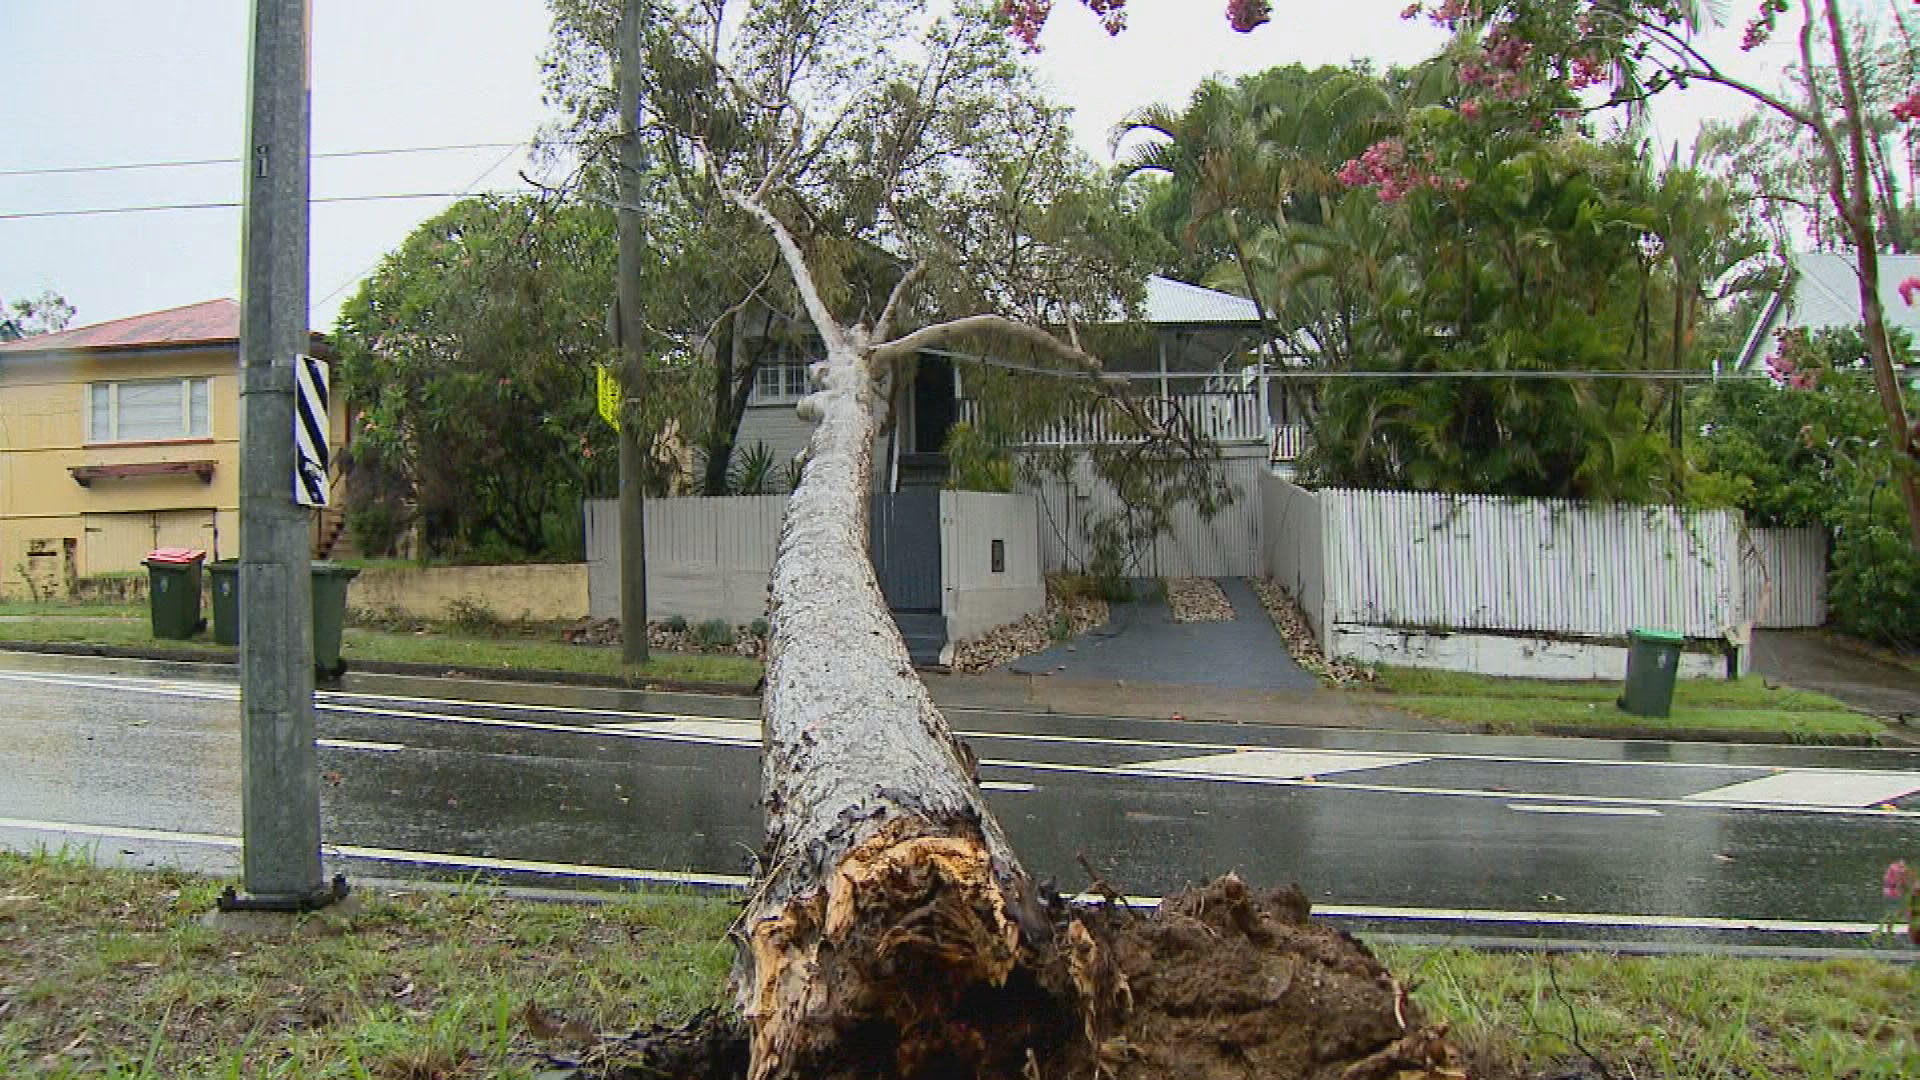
x=206, y=322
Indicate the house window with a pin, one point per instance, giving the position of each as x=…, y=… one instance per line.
x=147, y=410
x=780, y=383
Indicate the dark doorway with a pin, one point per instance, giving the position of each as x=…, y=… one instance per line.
x=934, y=409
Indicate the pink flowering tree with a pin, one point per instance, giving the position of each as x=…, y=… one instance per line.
x=1621, y=52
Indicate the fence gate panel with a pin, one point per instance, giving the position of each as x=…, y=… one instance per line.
x=905, y=530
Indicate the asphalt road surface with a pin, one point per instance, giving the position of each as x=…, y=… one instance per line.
x=1420, y=834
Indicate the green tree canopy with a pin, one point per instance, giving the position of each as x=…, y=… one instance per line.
x=469, y=356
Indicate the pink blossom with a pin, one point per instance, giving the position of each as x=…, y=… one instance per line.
x=1412, y=11
x=1244, y=15
x=1470, y=109
x=1898, y=879
x=1911, y=285
x=1908, y=109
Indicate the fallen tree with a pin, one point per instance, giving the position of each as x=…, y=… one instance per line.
x=892, y=930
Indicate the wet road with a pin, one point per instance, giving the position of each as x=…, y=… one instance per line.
x=1414, y=832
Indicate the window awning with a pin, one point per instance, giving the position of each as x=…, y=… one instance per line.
x=85, y=475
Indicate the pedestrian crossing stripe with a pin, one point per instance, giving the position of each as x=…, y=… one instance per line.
x=310, y=450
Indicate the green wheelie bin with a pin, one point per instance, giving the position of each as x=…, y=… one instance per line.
x=1653, y=661
x=329, y=614
x=225, y=574
x=173, y=591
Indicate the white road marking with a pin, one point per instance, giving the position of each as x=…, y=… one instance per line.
x=1603, y=811
x=1820, y=787
x=729, y=730
x=427, y=858
x=1005, y=785
x=660, y=731
x=1313, y=783
x=738, y=881
x=356, y=744
x=1278, y=764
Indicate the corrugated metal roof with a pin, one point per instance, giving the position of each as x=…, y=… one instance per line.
x=1175, y=302
x=207, y=321
x=1826, y=292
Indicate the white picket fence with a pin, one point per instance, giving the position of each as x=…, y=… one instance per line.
x=1447, y=564
x=1226, y=546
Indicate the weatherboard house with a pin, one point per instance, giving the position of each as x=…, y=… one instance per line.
x=122, y=437
x=1200, y=342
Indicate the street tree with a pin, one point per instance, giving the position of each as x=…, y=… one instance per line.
x=892, y=930
x=469, y=355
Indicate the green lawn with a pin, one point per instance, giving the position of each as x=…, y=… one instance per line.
x=505, y=653
x=67, y=611
x=1519, y=706
x=1676, y=1018
x=111, y=973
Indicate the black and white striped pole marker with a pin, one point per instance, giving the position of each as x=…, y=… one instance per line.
x=310, y=451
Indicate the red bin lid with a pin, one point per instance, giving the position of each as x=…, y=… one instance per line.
x=176, y=555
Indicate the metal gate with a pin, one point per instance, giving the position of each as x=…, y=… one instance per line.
x=905, y=530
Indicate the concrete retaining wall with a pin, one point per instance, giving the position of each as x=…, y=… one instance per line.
x=542, y=592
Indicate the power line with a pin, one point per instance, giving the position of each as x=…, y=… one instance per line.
x=471, y=184
x=229, y=205
x=187, y=163
x=1344, y=373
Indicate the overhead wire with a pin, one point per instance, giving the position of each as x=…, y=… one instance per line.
x=94, y=211
x=187, y=163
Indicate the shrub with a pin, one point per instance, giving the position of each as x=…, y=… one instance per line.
x=474, y=618
x=676, y=624
x=713, y=633
x=759, y=628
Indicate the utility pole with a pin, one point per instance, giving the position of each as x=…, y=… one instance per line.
x=279, y=774
x=633, y=507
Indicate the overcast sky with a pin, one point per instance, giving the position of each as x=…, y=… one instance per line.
x=113, y=82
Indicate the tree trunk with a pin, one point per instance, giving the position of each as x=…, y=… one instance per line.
x=1853, y=197
x=892, y=911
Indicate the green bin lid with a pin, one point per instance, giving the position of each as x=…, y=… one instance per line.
x=1663, y=637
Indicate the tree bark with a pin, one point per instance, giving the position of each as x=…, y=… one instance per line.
x=1853, y=198
x=885, y=874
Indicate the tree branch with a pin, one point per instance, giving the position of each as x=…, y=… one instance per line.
x=939, y=333
x=883, y=326
x=830, y=331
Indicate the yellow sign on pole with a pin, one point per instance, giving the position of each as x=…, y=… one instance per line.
x=608, y=393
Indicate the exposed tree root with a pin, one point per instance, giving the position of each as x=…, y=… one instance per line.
x=1221, y=981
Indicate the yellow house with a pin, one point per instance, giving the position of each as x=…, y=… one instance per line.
x=122, y=437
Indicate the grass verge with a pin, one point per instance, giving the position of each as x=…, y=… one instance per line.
x=359, y=644
x=1734, y=708
x=69, y=611
x=109, y=972
x=1677, y=1018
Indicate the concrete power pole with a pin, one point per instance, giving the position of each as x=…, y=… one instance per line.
x=280, y=781
x=633, y=515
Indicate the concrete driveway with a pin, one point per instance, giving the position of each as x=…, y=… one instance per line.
x=1141, y=643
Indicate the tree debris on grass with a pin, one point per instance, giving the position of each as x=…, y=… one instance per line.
x=1198, y=599
x=714, y=637
x=1300, y=638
